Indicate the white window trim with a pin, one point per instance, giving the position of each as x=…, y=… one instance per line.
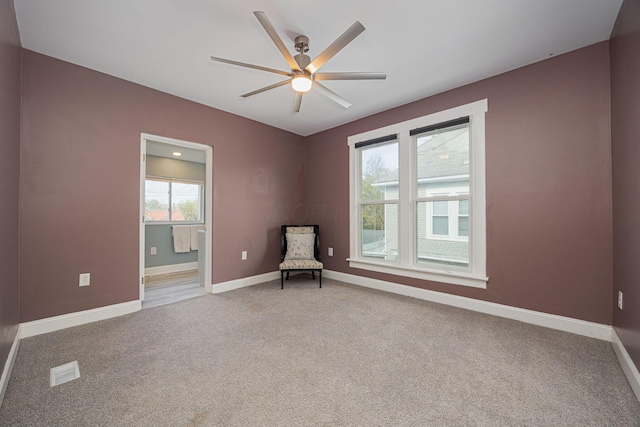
x=406, y=265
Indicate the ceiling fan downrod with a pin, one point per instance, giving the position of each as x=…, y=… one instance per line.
x=301, y=44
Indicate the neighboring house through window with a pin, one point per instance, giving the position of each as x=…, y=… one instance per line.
x=418, y=197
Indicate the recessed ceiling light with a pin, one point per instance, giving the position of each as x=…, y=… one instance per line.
x=176, y=153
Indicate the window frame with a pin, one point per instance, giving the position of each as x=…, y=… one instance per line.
x=178, y=181
x=406, y=264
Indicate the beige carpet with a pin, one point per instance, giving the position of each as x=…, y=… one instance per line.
x=337, y=356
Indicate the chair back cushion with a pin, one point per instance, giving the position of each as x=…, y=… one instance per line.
x=299, y=246
x=299, y=230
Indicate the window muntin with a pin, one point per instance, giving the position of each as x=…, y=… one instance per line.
x=173, y=201
x=458, y=192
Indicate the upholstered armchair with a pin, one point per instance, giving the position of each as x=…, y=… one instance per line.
x=300, y=251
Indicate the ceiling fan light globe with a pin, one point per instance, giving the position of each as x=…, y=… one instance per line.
x=301, y=83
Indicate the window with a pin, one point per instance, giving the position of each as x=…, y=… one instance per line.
x=172, y=200
x=418, y=197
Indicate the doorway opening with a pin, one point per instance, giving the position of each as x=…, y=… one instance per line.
x=176, y=220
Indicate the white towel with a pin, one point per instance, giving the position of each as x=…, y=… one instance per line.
x=194, y=236
x=181, y=238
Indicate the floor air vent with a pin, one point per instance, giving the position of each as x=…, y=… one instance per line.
x=64, y=373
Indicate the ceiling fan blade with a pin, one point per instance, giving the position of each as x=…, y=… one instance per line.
x=297, y=101
x=264, y=89
x=331, y=95
x=335, y=47
x=350, y=76
x=255, y=67
x=266, y=24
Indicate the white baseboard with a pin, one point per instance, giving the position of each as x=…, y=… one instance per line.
x=217, y=288
x=50, y=324
x=8, y=365
x=172, y=268
x=567, y=324
x=629, y=368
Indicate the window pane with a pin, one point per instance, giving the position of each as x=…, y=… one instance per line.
x=156, y=200
x=441, y=225
x=185, y=200
x=443, y=161
x=463, y=226
x=379, y=231
x=436, y=247
x=463, y=207
x=379, y=172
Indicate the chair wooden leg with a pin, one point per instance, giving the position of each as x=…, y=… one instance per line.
x=313, y=275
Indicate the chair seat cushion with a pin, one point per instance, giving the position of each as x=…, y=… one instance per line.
x=301, y=264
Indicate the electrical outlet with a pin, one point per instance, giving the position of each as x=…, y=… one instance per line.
x=244, y=255
x=620, y=300
x=330, y=251
x=154, y=250
x=85, y=279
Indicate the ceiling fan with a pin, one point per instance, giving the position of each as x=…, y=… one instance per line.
x=303, y=75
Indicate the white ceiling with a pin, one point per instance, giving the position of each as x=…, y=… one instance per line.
x=160, y=149
x=425, y=46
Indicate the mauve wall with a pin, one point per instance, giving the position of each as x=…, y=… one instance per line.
x=10, y=84
x=80, y=185
x=549, y=220
x=625, y=136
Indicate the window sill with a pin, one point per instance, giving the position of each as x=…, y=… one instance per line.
x=451, y=277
